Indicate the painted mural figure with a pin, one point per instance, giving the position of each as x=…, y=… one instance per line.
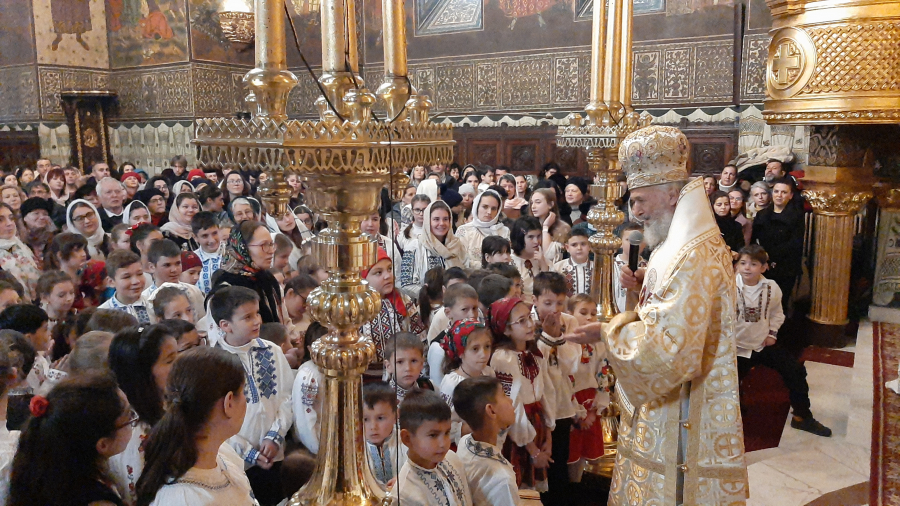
x=522, y=8
x=70, y=17
x=153, y=25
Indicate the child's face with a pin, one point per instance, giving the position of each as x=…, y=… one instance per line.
x=286, y=346
x=62, y=296
x=8, y=297
x=516, y=289
x=381, y=277
x=548, y=303
x=124, y=242
x=296, y=302
x=208, y=238
x=406, y=366
x=477, y=352
x=321, y=275
x=503, y=406
x=179, y=308
x=190, y=276
x=750, y=270
x=464, y=309
x=579, y=248
x=154, y=236
x=494, y=258
x=532, y=243
x=585, y=312
x=168, y=352
x=429, y=444
x=378, y=422
x=281, y=260
x=189, y=340
x=129, y=283
x=520, y=327
x=244, y=324
x=166, y=270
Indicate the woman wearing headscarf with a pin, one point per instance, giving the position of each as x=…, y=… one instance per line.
x=182, y=187
x=428, y=187
x=39, y=227
x=83, y=219
x=178, y=229
x=155, y=200
x=136, y=212
x=15, y=257
x=242, y=209
x=249, y=252
x=485, y=223
x=437, y=246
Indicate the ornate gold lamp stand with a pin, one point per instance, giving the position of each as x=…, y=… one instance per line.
x=610, y=118
x=346, y=157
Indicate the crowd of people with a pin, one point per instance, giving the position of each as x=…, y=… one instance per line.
x=156, y=341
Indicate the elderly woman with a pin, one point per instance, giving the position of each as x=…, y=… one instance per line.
x=485, y=223
x=40, y=229
x=249, y=252
x=15, y=257
x=83, y=219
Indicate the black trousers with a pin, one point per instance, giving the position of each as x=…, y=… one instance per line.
x=266, y=484
x=786, y=283
x=558, y=473
x=793, y=374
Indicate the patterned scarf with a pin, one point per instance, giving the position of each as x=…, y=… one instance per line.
x=454, y=341
x=236, y=259
x=394, y=297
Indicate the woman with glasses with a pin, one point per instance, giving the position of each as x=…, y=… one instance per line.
x=155, y=200
x=66, y=444
x=411, y=232
x=141, y=358
x=83, y=219
x=15, y=257
x=249, y=252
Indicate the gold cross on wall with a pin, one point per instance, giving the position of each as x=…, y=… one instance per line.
x=783, y=62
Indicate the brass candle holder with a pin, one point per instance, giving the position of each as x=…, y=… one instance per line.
x=346, y=157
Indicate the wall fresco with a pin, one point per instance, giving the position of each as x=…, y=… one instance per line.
x=16, y=40
x=70, y=32
x=146, y=32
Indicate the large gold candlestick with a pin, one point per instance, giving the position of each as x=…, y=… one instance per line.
x=396, y=89
x=271, y=82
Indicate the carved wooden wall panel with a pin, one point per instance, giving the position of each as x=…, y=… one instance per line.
x=19, y=149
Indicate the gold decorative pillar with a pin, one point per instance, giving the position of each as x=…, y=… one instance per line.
x=835, y=211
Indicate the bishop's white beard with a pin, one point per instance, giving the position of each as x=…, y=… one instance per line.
x=656, y=231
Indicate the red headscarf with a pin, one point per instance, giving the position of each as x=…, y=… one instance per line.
x=394, y=297
x=499, y=314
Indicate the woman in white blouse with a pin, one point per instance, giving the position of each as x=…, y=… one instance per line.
x=485, y=223
x=437, y=246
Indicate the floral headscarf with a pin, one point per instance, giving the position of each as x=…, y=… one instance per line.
x=237, y=259
x=454, y=341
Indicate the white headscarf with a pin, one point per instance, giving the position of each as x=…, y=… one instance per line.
x=452, y=249
x=176, y=224
x=428, y=187
x=487, y=228
x=126, y=216
x=178, y=188
x=95, y=240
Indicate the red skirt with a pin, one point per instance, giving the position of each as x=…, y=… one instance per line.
x=518, y=456
x=586, y=443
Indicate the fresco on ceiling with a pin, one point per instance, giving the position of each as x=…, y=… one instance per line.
x=146, y=32
x=70, y=32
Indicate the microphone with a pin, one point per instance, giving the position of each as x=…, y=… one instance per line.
x=634, y=241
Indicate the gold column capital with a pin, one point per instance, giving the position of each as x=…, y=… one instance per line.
x=837, y=201
x=888, y=197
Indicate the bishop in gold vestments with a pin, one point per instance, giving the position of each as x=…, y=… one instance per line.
x=680, y=437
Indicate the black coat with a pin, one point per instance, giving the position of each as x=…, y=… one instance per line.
x=732, y=232
x=781, y=234
x=264, y=284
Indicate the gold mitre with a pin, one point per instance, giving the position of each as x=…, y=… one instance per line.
x=654, y=155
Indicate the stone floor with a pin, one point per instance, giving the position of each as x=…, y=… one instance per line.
x=809, y=470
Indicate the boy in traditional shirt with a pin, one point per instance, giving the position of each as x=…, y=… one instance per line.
x=386, y=454
x=205, y=230
x=759, y=316
x=460, y=303
x=127, y=276
x=483, y=405
x=577, y=270
x=432, y=473
x=404, y=360
x=260, y=441
x=305, y=396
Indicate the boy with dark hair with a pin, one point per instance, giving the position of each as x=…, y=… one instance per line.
x=484, y=406
x=493, y=288
x=578, y=270
x=205, y=230
x=32, y=322
x=404, y=359
x=126, y=275
x=380, y=423
x=297, y=320
x=164, y=264
x=509, y=272
x=460, y=303
x=528, y=256
x=260, y=442
x=760, y=315
x=562, y=359
x=9, y=295
x=432, y=474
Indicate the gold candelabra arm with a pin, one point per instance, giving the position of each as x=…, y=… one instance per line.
x=271, y=82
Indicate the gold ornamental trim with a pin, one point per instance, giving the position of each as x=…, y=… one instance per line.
x=831, y=117
x=833, y=203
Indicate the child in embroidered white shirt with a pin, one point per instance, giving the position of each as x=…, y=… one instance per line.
x=205, y=231
x=432, y=474
x=484, y=407
x=577, y=269
x=305, y=396
x=759, y=316
x=164, y=263
x=468, y=349
x=386, y=454
x=269, y=414
x=126, y=274
x=404, y=360
x=460, y=303
x=562, y=360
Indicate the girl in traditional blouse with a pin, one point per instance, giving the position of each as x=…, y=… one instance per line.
x=467, y=348
x=178, y=229
x=516, y=204
x=141, y=358
x=555, y=231
x=83, y=219
x=437, y=246
x=15, y=257
x=187, y=459
x=414, y=229
x=63, y=451
x=248, y=256
x=520, y=367
x=485, y=223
